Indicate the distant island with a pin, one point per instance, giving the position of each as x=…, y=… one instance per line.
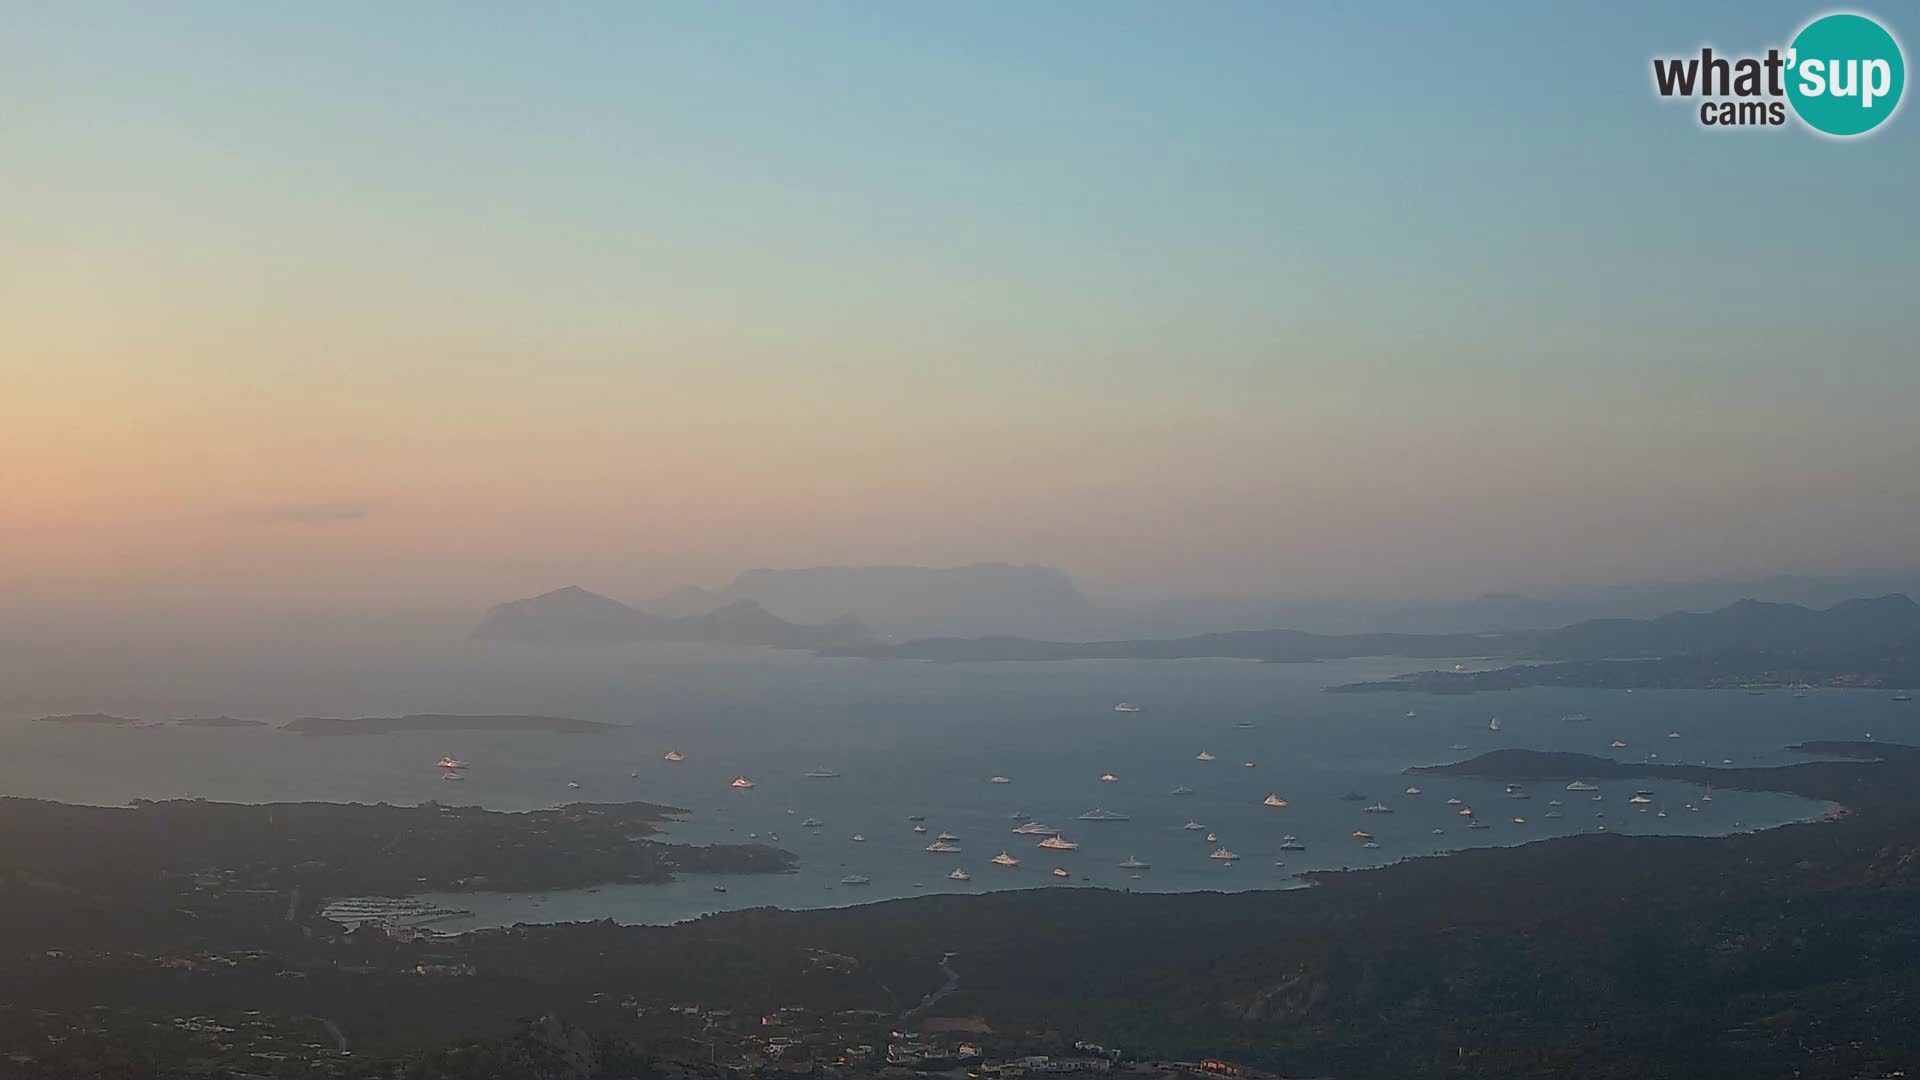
x=83, y=719
x=575, y=616
x=386, y=725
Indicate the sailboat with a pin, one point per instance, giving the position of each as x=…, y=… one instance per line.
x=675, y=755
x=1203, y=756
x=1493, y=724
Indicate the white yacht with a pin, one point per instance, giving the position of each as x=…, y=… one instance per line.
x=999, y=780
x=1126, y=706
x=1133, y=863
x=1181, y=790
x=1413, y=791
x=1004, y=859
x=742, y=783
x=675, y=755
x=1098, y=814
x=1060, y=871
x=1377, y=808
x=1246, y=764
x=960, y=875
x=1453, y=801
x=1275, y=800
x=812, y=823
x=1203, y=756
x=1291, y=843
x=856, y=879
x=1213, y=838
x=859, y=838
x=1641, y=798
x=1034, y=828
x=946, y=838
x=1582, y=785
x=1617, y=744
x=453, y=776
x=822, y=773
x=919, y=828
x=1057, y=842
x=575, y=784
x=1673, y=734
x=943, y=847
x=1223, y=855
x=1192, y=826
x=1362, y=835
x=1108, y=778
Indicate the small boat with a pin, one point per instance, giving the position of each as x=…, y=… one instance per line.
x=1617, y=745
x=1903, y=696
x=1203, y=756
x=1576, y=718
x=856, y=879
x=1554, y=802
x=719, y=888
x=1493, y=724
x=453, y=776
x=1673, y=734
x=1004, y=859
x=1246, y=764
x=675, y=755
x=1459, y=746
x=450, y=762
x=1244, y=724
x=1707, y=797
x=1274, y=800
x=1378, y=808
x=636, y=775
x=575, y=784
x=946, y=837
x=1108, y=778
x=919, y=828
x=998, y=780
x=1181, y=790
x=1098, y=814
x=960, y=875
x=1581, y=785
x=1060, y=872
x=1555, y=814
x=742, y=783
x=943, y=847
x=1291, y=843
x=1058, y=843
x=1034, y=828
x=1519, y=821
x=812, y=823
x=1371, y=845
x=1466, y=811
x=1212, y=838
x=1476, y=823
x=1413, y=791
x=822, y=773
x=1640, y=799
x=916, y=817
x=1223, y=855
x=1126, y=706
x=1192, y=826
x=1411, y=714
x=1362, y=834
x=1454, y=801
x=859, y=838
x=1134, y=863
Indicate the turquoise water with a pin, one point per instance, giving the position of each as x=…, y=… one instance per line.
x=922, y=739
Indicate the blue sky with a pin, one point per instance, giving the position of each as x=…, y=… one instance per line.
x=1287, y=248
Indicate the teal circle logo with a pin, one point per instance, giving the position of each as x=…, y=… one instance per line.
x=1844, y=74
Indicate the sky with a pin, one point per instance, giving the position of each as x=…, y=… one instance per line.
x=367, y=306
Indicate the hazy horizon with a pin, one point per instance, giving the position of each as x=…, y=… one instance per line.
x=361, y=309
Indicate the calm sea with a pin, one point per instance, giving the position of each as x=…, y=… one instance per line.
x=921, y=739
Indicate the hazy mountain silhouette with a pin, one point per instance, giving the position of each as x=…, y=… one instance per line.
x=1747, y=626
x=573, y=614
x=981, y=598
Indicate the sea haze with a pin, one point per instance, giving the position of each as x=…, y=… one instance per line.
x=913, y=738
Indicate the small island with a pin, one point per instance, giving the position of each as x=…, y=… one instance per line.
x=387, y=725
x=218, y=722
x=88, y=720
